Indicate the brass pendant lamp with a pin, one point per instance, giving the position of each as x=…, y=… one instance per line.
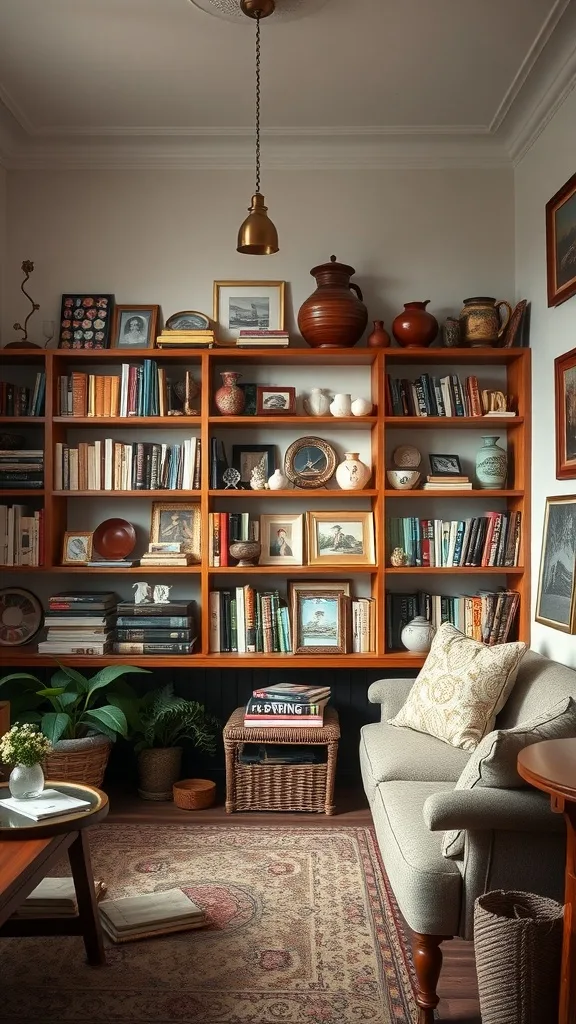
x=257, y=235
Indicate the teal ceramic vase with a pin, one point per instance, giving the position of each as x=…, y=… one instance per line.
x=491, y=465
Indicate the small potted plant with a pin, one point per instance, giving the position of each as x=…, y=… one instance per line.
x=24, y=747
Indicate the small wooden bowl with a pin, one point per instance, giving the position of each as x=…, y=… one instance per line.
x=194, y=794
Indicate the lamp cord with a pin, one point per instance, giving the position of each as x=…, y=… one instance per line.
x=258, y=102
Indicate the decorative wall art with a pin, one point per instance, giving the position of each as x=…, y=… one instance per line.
x=85, y=321
x=247, y=457
x=556, y=600
x=275, y=401
x=188, y=320
x=319, y=622
x=561, y=243
x=77, y=547
x=340, y=538
x=249, y=305
x=134, y=326
x=310, y=462
x=281, y=538
x=21, y=616
x=178, y=522
x=445, y=465
x=565, y=409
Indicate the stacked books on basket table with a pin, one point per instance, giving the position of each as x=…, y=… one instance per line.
x=21, y=535
x=22, y=469
x=79, y=622
x=168, y=628
x=287, y=705
x=489, y=540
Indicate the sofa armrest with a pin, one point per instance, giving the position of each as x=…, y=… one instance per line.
x=512, y=810
x=391, y=694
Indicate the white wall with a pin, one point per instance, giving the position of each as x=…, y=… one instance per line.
x=545, y=168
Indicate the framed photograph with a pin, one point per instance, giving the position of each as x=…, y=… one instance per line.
x=245, y=458
x=272, y=401
x=561, y=243
x=249, y=305
x=319, y=622
x=281, y=537
x=134, y=326
x=177, y=522
x=565, y=408
x=188, y=320
x=85, y=321
x=556, y=600
x=77, y=547
x=445, y=465
x=340, y=538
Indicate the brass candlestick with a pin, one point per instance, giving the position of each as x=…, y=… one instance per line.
x=27, y=267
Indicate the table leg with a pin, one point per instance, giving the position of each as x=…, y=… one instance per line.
x=80, y=864
x=332, y=754
x=567, y=1013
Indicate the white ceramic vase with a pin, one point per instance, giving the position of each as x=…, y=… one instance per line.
x=277, y=482
x=341, y=405
x=361, y=407
x=417, y=635
x=317, y=403
x=352, y=474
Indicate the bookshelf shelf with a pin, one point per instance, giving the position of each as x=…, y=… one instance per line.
x=23, y=421
x=296, y=493
x=167, y=495
x=128, y=421
x=457, y=570
x=453, y=422
x=475, y=493
x=134, y=570
x=23, y=656
x=23, y=492
x=354, y=422
x=292, y=570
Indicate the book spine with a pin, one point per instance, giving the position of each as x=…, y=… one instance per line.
x=169, y=622
x=153, y=648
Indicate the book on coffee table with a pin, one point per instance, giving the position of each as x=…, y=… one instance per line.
x=155, y=913
x=49, y=804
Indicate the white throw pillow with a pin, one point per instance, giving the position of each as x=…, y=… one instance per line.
x=461, y=687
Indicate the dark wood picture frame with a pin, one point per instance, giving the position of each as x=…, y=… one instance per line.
x=137, y=310
x=556, y=595
x=85, y=321
x=565, y=415
x=267, y=408
x=264, y=449
x=436, y=468
x=336, y=596
x=561, y=280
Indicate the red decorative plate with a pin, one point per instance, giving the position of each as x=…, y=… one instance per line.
x=114, y=538
x=21, y=616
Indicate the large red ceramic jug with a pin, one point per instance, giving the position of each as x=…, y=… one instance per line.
x=415, y=327
x=333, y=316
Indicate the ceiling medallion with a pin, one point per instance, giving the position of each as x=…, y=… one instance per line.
x=286, y=10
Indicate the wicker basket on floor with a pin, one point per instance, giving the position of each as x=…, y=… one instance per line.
x=81, y=760
x=518, y=947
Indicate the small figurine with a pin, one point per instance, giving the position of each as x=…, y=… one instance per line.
x=231, y=478
x=162, y=594
x=258, y=481
x=144, y=593
x=398, y=557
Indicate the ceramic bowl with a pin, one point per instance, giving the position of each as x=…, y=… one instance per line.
x=403, y=479
x=115, y=538
x=247, y=551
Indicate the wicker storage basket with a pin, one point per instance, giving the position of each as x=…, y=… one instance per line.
x=194, y=794
x=158, y=770
x=518, y=946
x=281, y=787
x=81, y=760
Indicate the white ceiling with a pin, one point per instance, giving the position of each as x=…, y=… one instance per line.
x=72, y=68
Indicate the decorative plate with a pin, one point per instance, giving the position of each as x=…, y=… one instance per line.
x=310, y=462
x=21, y=616
x=406, y=456
x=114, y=538
x=188, y=320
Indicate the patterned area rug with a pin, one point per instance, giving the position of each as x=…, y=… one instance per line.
x=304, y=930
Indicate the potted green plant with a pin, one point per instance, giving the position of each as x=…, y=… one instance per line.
x=24, y=747
x=75, y=714
x=159, y=723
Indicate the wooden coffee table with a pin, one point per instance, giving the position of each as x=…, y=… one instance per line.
x=28, y=849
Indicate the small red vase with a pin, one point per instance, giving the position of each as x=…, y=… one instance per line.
x=415, y=327
x=229, y=399
x=378, y=337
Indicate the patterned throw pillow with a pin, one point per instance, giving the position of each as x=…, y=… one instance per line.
x=493, y=763
x=460, y=689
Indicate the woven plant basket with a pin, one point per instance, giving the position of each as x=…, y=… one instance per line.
x=518, y=946
x=82, y=760
x=194, y=794
x=158, y=770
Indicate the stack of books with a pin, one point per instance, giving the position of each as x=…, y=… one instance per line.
x=155, y=628
x=185, y=339
x=287, y=704
x=489, y=540
x=486, y=616
x=167, y=553
x=21, y=401
x=50, y=804
x=79, y=622
x=155, y=913
x=22, y=469
x=447, y=483
x=249, y=621
x=252, y=338
x=110, y=465
x=55, y=897
x=21, y=536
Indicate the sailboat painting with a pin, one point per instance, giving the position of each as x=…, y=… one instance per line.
x=556, y=602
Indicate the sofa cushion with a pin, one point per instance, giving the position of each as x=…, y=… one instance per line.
x=493, y=763
x=461, y=687
x=393, y=754
x=540, y=684
x=427, y=886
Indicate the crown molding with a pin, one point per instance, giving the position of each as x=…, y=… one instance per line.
x=247, y=131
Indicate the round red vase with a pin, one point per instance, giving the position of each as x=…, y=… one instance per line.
x=229, y=399
x=415, y=327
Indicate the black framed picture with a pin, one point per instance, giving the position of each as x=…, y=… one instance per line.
x=556, y=599
x=85, y=321
x=445, y=465
x=247, y=457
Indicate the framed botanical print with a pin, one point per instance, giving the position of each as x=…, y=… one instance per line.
x=561, y=243
x=319, y=622
x=565, y=412
x=177, y=522
x=556, y=600
x=249, y=305
x=281, y=538
x=340, y=538
x=134, y=326
x=85, y=321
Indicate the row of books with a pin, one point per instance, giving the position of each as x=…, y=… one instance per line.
x=487, y=616
x=292, y=705
x=439, y=396
x=224, y=528
x=489, y=540
x=21, y=468
x=21, y=401
x=168, y=628
x=138, y=390
x=21, y=535
x=110, y=465
x=249, y=621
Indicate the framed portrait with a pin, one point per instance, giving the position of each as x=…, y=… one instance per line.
x=561, y=243
x=177, y=522
x=565, y=409
x=340, y=538
x=445, y=465
x=134, y=326
x=246, y=457
x=556, y=600
x=272, y=401
x=319, y=622
x=281, y=538
x=249, y=305
x=77, y=547
x=85, y=321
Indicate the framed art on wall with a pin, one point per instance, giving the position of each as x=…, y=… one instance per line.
x=281, y=537
x=249, y=305
x=134, y=326
x=275, y=401
x=246, y=457
x=77, y=547
x=556, y=600
x=177, y=522
x=85, y=321
x=319, y=622
x=561, y=243
x=340, y=538
x=565, y=415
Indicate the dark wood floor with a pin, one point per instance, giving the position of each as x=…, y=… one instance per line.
x=457, y=989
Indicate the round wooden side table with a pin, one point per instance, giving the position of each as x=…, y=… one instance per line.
x=551, y=767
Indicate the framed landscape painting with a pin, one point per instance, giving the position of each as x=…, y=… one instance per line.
x=561, y=243
x=249, y=305
x=556, y=600
x=565, y=410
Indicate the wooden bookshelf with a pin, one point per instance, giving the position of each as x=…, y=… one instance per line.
x=381, y=428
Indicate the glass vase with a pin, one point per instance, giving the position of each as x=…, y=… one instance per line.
x=26, y=781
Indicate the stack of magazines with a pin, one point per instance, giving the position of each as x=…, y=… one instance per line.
x=295, y=705
x=155, y=913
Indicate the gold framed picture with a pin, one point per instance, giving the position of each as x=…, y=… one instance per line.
x=177, y=522
x=77, y=547
x=319, y=622
x=249, y=305
x=282, y=539
x=340, y=538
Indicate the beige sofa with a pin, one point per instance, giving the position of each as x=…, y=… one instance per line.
x=512, y=839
